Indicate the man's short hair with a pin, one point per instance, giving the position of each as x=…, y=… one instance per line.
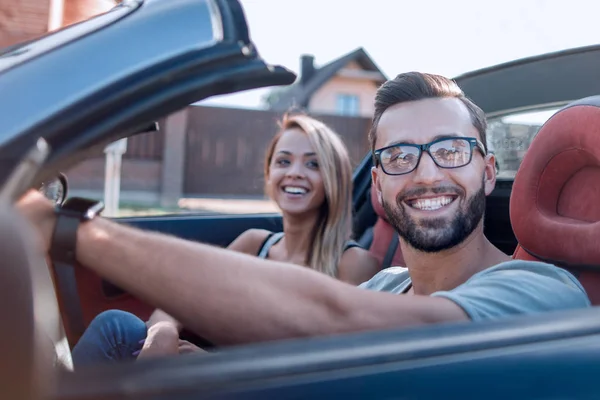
x=413, y=86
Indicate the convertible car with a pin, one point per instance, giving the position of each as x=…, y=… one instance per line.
x=55, y=113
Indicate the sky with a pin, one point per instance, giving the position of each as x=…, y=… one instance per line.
x=437, y=36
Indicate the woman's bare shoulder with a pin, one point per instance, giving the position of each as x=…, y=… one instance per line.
x=249, y=241
x=357, y=265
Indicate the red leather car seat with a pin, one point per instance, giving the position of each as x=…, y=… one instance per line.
x=383, y=236
x=555, y=201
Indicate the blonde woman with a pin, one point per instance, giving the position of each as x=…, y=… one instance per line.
x=309, y=176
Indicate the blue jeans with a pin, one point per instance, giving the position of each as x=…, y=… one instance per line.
x=112, y=336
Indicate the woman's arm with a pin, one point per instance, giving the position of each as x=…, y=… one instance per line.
x=356, y=266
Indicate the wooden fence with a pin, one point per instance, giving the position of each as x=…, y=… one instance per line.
x=225, y=148
x=224, y=152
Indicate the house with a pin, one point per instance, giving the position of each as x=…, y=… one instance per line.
x=24, y=20
x=345, y=86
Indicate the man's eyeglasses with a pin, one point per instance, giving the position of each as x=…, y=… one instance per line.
x=447, y=152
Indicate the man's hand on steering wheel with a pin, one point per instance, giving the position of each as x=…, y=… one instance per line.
x=39, y=211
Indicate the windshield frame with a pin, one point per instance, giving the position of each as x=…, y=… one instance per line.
x=23, y=52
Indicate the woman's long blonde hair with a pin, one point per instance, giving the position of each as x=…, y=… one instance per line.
x=334, y=225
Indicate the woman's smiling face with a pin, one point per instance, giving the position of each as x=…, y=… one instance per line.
x=294, y=181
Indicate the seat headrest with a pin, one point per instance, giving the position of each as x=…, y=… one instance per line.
x=555, y=201
x=376, y=206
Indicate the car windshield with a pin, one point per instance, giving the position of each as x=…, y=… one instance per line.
x=21, y=52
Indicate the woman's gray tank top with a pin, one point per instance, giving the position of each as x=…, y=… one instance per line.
x=273, y=238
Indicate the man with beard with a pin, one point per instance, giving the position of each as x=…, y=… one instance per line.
x=432, y=173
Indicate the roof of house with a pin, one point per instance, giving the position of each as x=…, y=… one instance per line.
x=299, y=93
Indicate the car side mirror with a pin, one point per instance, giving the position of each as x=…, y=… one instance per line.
x=55, y=189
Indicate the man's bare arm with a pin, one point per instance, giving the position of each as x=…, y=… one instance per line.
x=228, y=297
x=248, y=242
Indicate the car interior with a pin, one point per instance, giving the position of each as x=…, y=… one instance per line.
x=549, y=212
x=553, y=212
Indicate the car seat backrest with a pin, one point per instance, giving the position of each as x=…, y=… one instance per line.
x=385, y=237
x=555, y=201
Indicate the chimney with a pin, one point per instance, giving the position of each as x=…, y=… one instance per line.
x=307, y=68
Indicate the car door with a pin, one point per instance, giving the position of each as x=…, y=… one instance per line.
x=552, y=356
